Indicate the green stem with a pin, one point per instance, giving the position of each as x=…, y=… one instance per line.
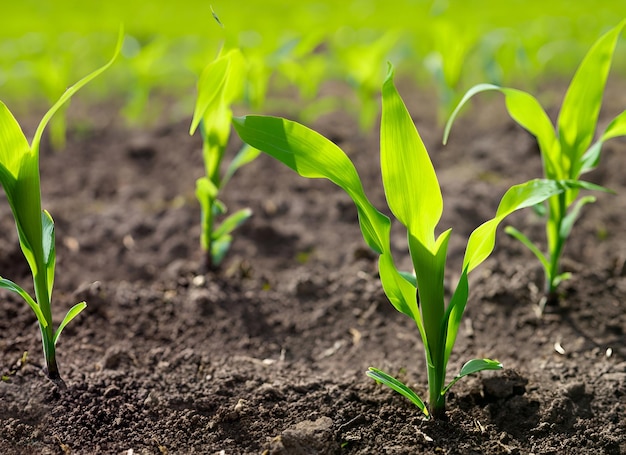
x=207, y=241
x=556, y=249
x=437, y=401
x=40, y=281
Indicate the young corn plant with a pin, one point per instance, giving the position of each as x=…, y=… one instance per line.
x=220, y=85
x=567, y=152
x=19, y=176
x=414, y=197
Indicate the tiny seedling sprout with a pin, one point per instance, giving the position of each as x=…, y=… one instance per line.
x=220, y=84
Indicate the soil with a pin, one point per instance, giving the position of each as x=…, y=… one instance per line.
x=267, y=355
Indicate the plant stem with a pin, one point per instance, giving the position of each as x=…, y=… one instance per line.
x=556, y=243
x=436, y=378
x=40, y=280
x=207, y=242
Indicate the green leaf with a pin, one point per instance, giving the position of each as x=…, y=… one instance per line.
x=210, y=88
x=581, y=106
x=232, y=222
x=528, y=113
x=591, y=157
x=400, y=290
x=246, y=155
x=616, y=128
x=394, y=384
x=411, y=185
x=72, y=90
x=410, y=277
x=219, y=248
x=11, y=286
x=218, y=208
x=454, y=314
x=49, y=250
x=471, y=367
x=13, y=146
x=528, y=244
x=429, y=271
x=71, y=314
x=205, y=190
x=19, y=176
x=572, y=216
x=482, y=240
x=313, y=156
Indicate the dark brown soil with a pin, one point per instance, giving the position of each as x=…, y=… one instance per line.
x=268, y=355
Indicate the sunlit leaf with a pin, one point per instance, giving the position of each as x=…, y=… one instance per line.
x=581, y=106
x=312, y=155
x=394, y=384
x=411, y=185
x=474, y=366
x=71, y=314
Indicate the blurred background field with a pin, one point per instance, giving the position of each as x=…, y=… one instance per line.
x=445, y=46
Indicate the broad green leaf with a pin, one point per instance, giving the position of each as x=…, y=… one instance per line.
x=215, y=128
x=312, y=155
x=429, y=271
x=25, y=201
x=410, y=277
x=71, y=314
x=409, y=179
x=236, y=77
x=19, y=176
x=401, y=292
x=482, y=240
x=232, y=222
x=11, y=286
x=471, y=367
x=210, y=87
x=13, y=146
x=528, y=113
x=394, y=384
x=581, y=106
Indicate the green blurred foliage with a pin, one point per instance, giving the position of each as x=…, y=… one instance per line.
x=448, y=45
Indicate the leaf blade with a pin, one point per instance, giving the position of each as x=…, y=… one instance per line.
x=411, y=186
x=397, y=386
x=581, y=106
x=71, y=314
x=482, y=241
x=313, y=156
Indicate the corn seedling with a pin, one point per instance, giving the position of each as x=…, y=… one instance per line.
x=220, y=84
x=19, y=176
x=414, y=197
x=566, y=153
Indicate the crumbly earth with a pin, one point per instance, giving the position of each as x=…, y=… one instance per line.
x=267, y=355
